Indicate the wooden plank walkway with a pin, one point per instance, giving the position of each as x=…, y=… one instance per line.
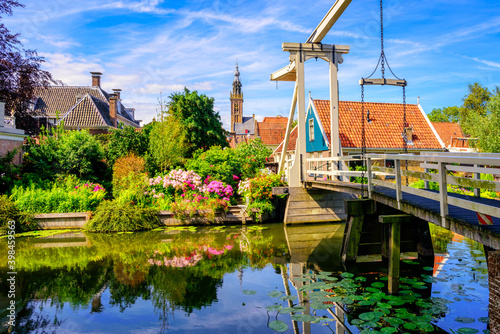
x=459, y=220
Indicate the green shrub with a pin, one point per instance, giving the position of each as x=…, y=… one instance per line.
x=128, y=171
x=9, y=212
x=68, y=194
x=218, y=163
x=9, y=172
x=113, y=216
x=252, y=156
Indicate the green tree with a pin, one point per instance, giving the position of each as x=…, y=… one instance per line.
x=167, y=144
x=486, y=128
x=447, y=114
x=474, y=104
x=121, y=142
x=201, y=123
x=218, y=163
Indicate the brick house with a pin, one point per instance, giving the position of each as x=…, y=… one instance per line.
x=10, y=137
x=83, y=107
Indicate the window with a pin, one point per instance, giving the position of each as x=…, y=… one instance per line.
x=311, y=129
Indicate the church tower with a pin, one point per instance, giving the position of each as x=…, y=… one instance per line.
x=236, y=100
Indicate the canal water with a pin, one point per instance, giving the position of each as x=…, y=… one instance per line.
x=233, y=279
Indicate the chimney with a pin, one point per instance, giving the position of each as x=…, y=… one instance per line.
x=418, y=100
x=96, y=79
x=113, y=110
x=2, y=114
x=117, y=92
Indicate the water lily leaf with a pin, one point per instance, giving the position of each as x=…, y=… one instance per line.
x=301, y=279
x=370, y=316
x=371, y=289
x=357, y=322
x=384, y=305
x=366, y=302
x=288, y=297
x=465, y=320
x=428, y=268
x=249, y=292
x=275, y=294
x=389, y=330
x=320, y=306
x=378, y=285
x=410, y=326
x=394, y=321
x=347, y=275
x=278, y=326
x=396, y=302
x=467, y=330
x=484, y=320
x=360, y=279
x=347, y=301
x=303, y=317
x=274, y=307
x=286, y=310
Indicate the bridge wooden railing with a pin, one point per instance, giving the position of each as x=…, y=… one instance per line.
x=429, y=167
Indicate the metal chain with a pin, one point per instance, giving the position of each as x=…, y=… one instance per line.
x=363, y=140
x=382, y=68
x=405, y=138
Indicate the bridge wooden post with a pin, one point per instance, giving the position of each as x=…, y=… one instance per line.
x=399, y=193
x=443, y=194
x=356, y=211
x=394, y=242
x=477, y=176
x=369, y=171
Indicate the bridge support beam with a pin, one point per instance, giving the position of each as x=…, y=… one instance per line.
x=356, y=211
x=394, y=247
x=494, y=287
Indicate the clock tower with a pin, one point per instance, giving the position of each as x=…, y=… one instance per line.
x=236, y=100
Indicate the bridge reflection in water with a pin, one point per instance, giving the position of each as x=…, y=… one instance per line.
x=316, y=248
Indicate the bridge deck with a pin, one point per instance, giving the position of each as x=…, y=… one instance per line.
x=462, y=221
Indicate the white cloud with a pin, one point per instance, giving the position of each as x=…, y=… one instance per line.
x=485, y=62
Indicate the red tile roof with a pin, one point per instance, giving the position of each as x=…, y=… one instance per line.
x=277, y=119
x=385, y=128
x=291, y=141
x=447, y=131
x=271, y=133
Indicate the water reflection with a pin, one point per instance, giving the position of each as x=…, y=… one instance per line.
x=178, y=280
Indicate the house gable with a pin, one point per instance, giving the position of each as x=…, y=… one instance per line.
x=320, y=142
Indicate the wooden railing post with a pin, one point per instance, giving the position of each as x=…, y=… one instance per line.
x=426, y=183
x=369, y=171
x=443, y=193
x=399, y=194
x=477, y=176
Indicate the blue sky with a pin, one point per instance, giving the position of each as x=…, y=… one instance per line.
x=146, y=47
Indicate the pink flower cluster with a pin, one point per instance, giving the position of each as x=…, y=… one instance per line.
x=178, y=261
x=178, y=179
x=93, y=186
x=218, y=188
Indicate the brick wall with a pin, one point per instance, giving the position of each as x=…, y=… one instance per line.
x=9, y=145
x=494, y=285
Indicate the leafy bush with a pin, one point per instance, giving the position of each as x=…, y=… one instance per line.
x=113, y=216
x=66, y=152
x=122, y=142
x=68, y=194
x=258, y=191
x=9, y=212
x=252, y=156
x=126, y=170
x=218, y=163
x=9, y=172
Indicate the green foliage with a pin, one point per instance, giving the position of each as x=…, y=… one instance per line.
x=122, y=142
x=65, y=152
x=447, y=114
x=258, y=192
x=113, y=216
x=252, y=156
x=201, y=123
x=67, y=194
x=126, y=170
x=167, y=144
x=218, y=163
x=486, y=128
x=9, y=212
x=9, y=172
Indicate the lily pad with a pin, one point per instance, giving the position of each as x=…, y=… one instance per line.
x=303, y=317
x=465, y=320
x=249, y=292
x=320, y=306
x=378, y=285
x=467, y=330
x=288, y=297
x=484, y=320
x=278, y=326
x=275, y=294
x=274, y=307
